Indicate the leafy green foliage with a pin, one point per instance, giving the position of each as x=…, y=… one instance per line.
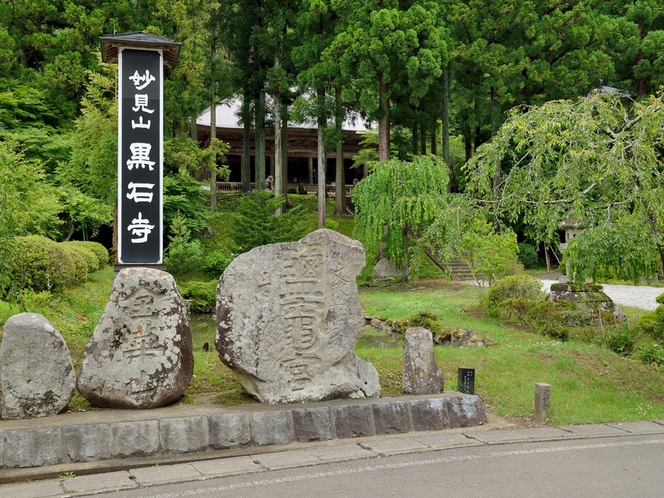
x=404, y=198
x=95, y=247
x=425, y=319
x=203, y=295
x=255, y=223
x=91, y=260
x=39, y=264
x=621, y=342
x=652, y=323
x=184, y=197
x=28, y=204
x=511, y=287
x=489, y=253
x=652, y=354
x=527, y=255
x=215, y=263
x=183, y=255
x=571, y=161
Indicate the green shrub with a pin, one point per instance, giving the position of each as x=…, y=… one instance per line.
x=90, y=258
x=549, y=318
x=80, y=271
x=513, y=286
x=651, y=354
x=255, y=224
x=652, y=323
x=41, y=264
x=99, y=250
x=202, y=295
x=527, y=255
x=621, y=342
x=425, y=319
x=555, y=332
x=215, y=263
x=183, y=256
x=7, y=310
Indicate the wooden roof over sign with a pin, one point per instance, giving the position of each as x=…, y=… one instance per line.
x=110, y=45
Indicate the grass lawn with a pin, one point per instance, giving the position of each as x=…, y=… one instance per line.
x=589, y=383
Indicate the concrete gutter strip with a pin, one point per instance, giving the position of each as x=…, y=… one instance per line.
x=184, y=430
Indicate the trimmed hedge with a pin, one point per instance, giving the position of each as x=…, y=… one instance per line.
x=90, y=258
x=80, y=272
x=41, y=264
x=512, y=287
x=97, y=249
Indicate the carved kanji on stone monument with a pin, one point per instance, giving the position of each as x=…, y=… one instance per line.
x=140, y=355
x=288, y=318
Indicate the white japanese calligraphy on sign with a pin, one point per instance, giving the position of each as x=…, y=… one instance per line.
x=140, y=196
x=140, y=82
x=140, y=156
x=140, y=227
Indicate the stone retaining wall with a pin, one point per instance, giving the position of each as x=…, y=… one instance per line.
x=61, y=444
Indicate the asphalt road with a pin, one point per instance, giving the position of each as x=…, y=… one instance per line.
x=610, y=467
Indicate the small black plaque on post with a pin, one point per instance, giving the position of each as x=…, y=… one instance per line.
x=466, y=383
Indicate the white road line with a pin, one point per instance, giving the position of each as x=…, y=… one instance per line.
x=392, y=466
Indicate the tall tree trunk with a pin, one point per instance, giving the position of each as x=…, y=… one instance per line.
x=414, y=143
x=246, y=146
x=446, y=125
x=468, y=143
x=340, y=177
x=404, y=266
x=213, y=126
x=498, y=172
x=640, y=81
x=284, y=153
x=321, y=159
x=321, y=173
x=384, y=124
x=434, y=138
x=278, y=157
x=260, y=142
x=423, y=140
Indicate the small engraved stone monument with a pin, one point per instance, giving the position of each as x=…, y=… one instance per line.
x=140, y=354
x=542, y=400
x=421, y=374
x=288, y=317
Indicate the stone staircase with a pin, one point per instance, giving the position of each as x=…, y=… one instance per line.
x=460, y=270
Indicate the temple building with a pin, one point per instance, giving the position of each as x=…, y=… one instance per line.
x=301, y=140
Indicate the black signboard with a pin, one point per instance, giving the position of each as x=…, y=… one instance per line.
x=140, y=205
x=466, y=381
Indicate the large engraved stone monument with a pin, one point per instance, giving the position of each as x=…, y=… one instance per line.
x=140, y=355
x=288, y=317
x=36, y=372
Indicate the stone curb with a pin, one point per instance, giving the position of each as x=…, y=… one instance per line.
x=303, y=455
x=57, y=444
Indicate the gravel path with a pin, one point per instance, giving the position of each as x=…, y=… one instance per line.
x=640, y=296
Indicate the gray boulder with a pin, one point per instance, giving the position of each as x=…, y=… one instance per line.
x=421, y=374
x=385, y=270
x=140, y=355
x=288, y=317
x=36, y=372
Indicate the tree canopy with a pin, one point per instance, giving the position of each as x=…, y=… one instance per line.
x=595, y=161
